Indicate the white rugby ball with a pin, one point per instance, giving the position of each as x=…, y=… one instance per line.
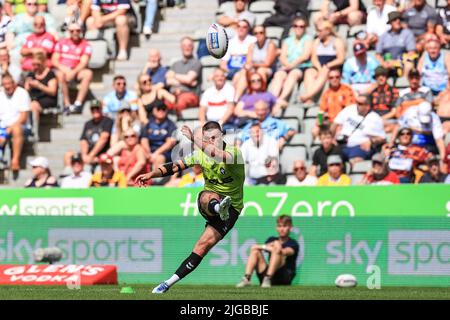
x=346, y=281
x=217, y=41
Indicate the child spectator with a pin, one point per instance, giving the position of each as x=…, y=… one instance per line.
x=327, y=147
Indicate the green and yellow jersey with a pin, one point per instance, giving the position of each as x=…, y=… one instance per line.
x=226, y=179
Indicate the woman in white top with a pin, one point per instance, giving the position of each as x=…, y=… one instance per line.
x=328, y=52
x=261, y=58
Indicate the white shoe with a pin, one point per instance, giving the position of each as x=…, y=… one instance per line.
x=266, y=283
x=223, y=208
x=161, y=288
x=122, y=56
x=147, y=31
x=244, y=283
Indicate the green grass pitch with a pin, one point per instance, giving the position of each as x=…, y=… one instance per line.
x=209, y=292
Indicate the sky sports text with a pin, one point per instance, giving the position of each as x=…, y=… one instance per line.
x=68, y=207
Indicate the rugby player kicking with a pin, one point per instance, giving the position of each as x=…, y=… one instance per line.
x=221, y=201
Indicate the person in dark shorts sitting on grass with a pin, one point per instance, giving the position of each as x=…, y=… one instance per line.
x=283, y=252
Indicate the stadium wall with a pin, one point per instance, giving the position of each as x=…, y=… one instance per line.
x=398, y=234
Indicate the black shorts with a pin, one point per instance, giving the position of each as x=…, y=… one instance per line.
x=223, y=227
x=282, y=277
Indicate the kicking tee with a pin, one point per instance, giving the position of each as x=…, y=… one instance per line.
x=223, y=178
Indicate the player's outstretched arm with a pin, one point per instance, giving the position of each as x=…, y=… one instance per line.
x=209, y=149
x=165, y=170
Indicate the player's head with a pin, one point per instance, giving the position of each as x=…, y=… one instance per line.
x=284, y=225
x=212, y=133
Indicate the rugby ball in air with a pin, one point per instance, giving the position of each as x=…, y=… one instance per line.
x=217, y=41
x=346, y=281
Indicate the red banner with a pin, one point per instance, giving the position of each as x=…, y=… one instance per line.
x=70, y=275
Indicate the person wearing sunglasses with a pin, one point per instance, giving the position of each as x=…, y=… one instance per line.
x=22, y=26
x=406, y=158
x=150, y=96
x=335, y=175
x=41, y=175
x=434, y=173
x=379, y=173
x=295, y=60
x=261, y=57
x=301, y=176
x=40, y=40
x=131, y=159
x=115, y=99
x=157, y=137
x=70, y=59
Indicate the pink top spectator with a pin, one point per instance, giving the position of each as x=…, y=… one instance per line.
x=71, y=53
x=45, y=41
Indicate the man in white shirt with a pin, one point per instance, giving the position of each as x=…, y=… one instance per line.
x=217, y=103
x=79, y=178
x=236, y=55
x=427, y=128
x=14, y=108
x=377, y=21
x=261, y=156
x=359, y=129
x=300, y=178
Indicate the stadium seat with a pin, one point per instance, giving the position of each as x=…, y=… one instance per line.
x=274, y=32
x=189, y=114
x=261, y=17
x=356, y=178
x=294, y=111
x=292, y=122
x=262, y=7
x=289, y=155
x=209, y=61
x=356, y=29
x=361, y=167
x=58, y=12
x=225, y=7
x=440, y=3
x=314, y=5
x=311, y=113
x=343, y=33
x=301, y=139
x=307, y=125
x=401, y=83
x=100, y=56
x=206, y=73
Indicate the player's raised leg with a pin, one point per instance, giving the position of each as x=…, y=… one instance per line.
x=211, y=204
x=206, y=241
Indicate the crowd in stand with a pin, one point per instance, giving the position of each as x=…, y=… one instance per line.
x=365, y=113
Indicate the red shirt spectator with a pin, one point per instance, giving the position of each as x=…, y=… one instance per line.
x=71, y=52
x=45, y=41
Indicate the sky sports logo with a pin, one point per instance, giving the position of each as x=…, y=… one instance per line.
x=68, y=207
x=419, y=252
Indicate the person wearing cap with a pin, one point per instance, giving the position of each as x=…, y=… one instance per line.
x=377, y=21
x=359, y=70
x=41, y=175
x=334, y=175
x=79, y=178
x=70, y=59
x=406, y=158
x=396, y=48
x=95, y=138
x=426, y=126
x=380, y=173
x=107, y=176
x=434, y=174
x=383, y=99
x=434, y=65
x=120, y=96
x=157, y=137
x=413, y=95
x=359, y=130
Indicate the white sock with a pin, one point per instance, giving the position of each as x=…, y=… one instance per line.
x=78, y=103
x=173, y=279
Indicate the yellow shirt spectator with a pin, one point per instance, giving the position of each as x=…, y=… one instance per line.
x=118, y=179
x=327, y=180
